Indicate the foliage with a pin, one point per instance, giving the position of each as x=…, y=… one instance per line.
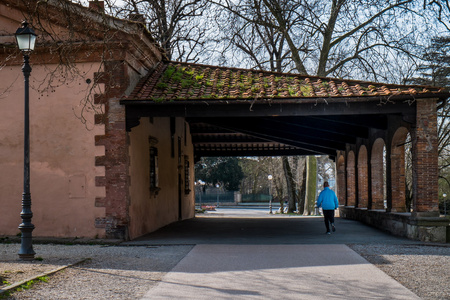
x=435, y=68
x=224, y=171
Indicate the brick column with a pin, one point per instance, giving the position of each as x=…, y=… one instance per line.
x=363, y=195
x=351, y=180
x=116, y=159
x=341, y=186
x=377, y=184
x=425, y=160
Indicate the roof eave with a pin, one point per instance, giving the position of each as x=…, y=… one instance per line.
x=441, y=97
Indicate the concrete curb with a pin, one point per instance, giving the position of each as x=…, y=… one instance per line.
x=18, y=284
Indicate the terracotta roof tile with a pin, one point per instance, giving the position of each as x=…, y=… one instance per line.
x=171, y=81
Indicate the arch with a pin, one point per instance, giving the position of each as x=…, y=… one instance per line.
x=351, y=180
x=378, y=169
x=363, y=174
x=398, y=171
x=341, y=185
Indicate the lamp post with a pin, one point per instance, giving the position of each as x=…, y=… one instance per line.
x=270, y=193
x=445, y=204
x=217, y=186
x=26, y=39
x=201, y=185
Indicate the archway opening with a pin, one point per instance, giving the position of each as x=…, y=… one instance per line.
x=398, y=174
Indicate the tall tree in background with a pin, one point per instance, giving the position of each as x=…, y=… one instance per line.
x=341, y=38
x=311, y=185
x=178, y=26
x=224, y=171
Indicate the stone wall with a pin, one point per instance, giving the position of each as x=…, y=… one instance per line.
x=402, y=224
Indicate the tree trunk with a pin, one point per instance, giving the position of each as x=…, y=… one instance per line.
x=290, y=185
x=302, y=196
x=311, y=185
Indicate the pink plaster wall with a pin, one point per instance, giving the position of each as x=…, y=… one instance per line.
x=149, y=212
x=62, y=156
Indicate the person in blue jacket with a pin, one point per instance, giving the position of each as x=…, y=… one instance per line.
x=329, y=202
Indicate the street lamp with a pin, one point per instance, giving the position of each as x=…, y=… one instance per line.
x=217, y=186
x=201, y=184
x=26, y=39
x=270, y=193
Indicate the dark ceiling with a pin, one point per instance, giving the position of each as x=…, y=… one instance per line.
x=268, y=129
x=272, y=136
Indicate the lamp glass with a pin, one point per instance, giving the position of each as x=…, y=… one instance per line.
x=26, y=38
x=26, y=42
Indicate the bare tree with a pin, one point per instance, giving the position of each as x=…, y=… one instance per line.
x=339, y=38
x=179, y=27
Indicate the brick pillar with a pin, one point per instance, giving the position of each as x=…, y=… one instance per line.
x=341, y=186
x=116, y=159
x=363, y=194
x=351, y=179
x=377, y=184
x=377, y=174
x=425, y=160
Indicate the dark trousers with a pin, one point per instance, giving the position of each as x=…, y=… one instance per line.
x=328, y=216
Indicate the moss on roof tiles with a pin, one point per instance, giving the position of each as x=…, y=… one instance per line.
x=180, y=81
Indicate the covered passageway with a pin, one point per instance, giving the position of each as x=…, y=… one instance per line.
x=363, y=126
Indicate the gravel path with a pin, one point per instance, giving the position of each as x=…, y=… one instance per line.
x=118, y=272
x=112, y=272
x=423, y=269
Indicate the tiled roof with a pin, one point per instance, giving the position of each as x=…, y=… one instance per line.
x=172, y=81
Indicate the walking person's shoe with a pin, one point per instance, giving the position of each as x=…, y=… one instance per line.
x=328, y=232
x=333, y=228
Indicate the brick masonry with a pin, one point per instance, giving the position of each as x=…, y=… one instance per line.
x=425, y=159
x=424, y=165
x=351, y=180
x=377, y=172
x=363, y=178
x=398, y=179
x=116, y=159
x=423, y=223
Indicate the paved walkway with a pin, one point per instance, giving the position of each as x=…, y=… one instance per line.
x=248, y=254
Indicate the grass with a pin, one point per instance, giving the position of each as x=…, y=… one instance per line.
x=26, y=286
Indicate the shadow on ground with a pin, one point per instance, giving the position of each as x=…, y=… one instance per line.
x=250, y=226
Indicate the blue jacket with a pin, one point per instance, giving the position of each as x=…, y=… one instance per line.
x=327, y=199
